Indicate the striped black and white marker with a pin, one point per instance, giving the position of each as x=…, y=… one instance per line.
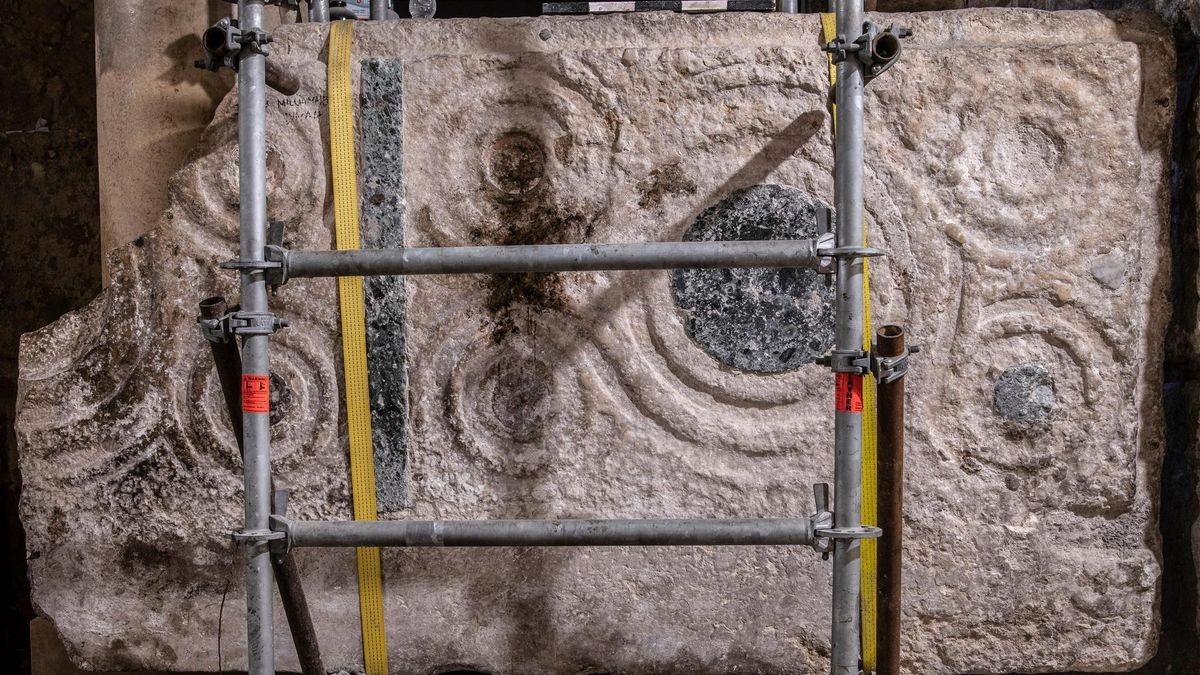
x=659, y=6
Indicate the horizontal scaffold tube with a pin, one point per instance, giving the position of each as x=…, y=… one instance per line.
x=801, y=253
x=670, y=532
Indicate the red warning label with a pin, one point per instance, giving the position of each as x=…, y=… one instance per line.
x=848, y=395
x=256, y=393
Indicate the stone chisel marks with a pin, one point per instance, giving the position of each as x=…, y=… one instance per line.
x=382, y=131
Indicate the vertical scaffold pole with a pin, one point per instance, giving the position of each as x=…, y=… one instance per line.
x=848, y=422
x=318, y=11
x=252, y=170
x=379, y=9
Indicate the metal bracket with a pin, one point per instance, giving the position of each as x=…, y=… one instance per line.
x=879, y=49
x=839, y=48
x=885, y=369
x=850, y=252
x=257, y=541
x=276, y=255
x=282, y=527
x=821, y=519
x=828, y=251
x=860, y=532
x=891, y=368
x=854, y=361
x=279, y=502
x=225, y=40
x=876, y=49
x=232, y=324
x=826, y=240
x=277, y=274
x=251, y=265
x=824, y=531
x=273, y=265
x=281, y=544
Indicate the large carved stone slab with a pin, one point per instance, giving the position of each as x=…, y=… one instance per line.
x=1016, y=173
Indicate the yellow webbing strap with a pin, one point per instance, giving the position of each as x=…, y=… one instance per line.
x=354, y=343
x=870, y=487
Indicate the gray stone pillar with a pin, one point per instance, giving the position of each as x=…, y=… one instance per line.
x=151, y=106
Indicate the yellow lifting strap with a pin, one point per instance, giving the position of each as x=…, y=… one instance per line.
x=870, y=487
x=354, y=343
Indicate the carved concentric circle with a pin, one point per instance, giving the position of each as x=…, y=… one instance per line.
x=509, y=398
x=530, y=161
x=1027, y=154
x=1037, y=386
x=514, y=164
x=521, y=395
x=504, y=401
x=303, y=406
x=206, y=191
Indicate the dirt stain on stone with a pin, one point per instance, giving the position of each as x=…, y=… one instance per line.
x=668, y=179
x=526, y=215
x=137, y=553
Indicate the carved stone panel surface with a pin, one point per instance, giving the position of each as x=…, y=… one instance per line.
x=1015, y=174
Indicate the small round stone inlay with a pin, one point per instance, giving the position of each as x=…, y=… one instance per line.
x=1025, y=393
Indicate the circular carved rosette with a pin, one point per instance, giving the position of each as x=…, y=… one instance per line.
x=1039, y=407
x=205, y=192
x=304, y=407
x=529, y=160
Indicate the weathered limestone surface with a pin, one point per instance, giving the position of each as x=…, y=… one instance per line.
x=1016, y=173
x=1183, y=12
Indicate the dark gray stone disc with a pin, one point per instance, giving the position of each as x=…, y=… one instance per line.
x=1025, y=393
x=759, y=320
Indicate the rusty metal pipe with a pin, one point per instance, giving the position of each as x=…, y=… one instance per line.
x=295, y=610
x=889, y=341
x=228, y=360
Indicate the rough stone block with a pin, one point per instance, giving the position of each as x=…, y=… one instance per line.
x=1015, y=172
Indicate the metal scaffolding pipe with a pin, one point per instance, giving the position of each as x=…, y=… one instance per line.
x=295, y=609
x=848, y=310
x=889, y=342
x=787, y=6
x=670, y=532
x=318, y=11
x=252, y=188
x=800, y=253
x=228, y=362
x=379, y=10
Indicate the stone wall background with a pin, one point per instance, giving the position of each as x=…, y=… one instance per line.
x=51, y=220
x=50, y=256
x=152, y=105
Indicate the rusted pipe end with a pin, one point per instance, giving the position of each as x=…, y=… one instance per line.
x=889, y=340
x=886, y=47
x=213, y=308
